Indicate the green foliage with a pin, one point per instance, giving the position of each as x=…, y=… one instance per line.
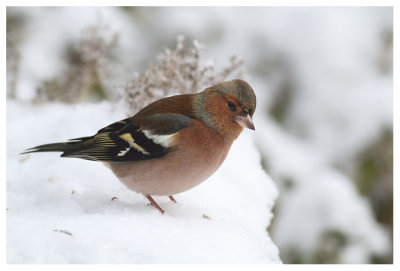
x=282, y=102
x=374, y=179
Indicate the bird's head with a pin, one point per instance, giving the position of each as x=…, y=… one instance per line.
x=228, y=106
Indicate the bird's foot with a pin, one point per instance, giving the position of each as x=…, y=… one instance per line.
x=154, y=203
x=172, y=199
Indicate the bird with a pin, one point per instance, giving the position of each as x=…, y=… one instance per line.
x=172, y=144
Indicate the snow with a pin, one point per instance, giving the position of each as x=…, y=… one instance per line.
x=341, y=103
x=321, y=200
x=61, y=210
x=335, y=207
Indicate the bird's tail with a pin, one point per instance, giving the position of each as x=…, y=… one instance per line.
x=71, y=146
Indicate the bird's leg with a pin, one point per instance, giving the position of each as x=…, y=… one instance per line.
x=154, y=203
x=172, y=198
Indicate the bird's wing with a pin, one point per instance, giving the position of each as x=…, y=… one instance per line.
x=123, y=141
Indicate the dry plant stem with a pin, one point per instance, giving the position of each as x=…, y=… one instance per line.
x=154, y=203
x=87, y=71
x=180, y=71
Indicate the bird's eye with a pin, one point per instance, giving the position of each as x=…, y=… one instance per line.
x=232, y=106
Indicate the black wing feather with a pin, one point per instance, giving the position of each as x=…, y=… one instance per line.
x=121, y=141
x=111, y=147
x=116, y=126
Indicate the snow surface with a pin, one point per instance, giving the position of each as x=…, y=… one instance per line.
x=61, y=210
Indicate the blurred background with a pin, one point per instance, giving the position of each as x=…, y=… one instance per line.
x=324, y=83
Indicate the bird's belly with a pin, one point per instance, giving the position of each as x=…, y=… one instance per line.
x=169, y=175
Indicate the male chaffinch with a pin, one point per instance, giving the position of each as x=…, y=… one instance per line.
x=171, y=145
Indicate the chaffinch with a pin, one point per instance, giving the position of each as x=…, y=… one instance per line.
x=171, y=145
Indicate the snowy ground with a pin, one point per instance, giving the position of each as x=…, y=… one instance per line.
x=61, y=210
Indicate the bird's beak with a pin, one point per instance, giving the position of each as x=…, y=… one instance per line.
x=245, y=122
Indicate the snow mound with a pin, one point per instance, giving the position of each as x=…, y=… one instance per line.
x=76, y=211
